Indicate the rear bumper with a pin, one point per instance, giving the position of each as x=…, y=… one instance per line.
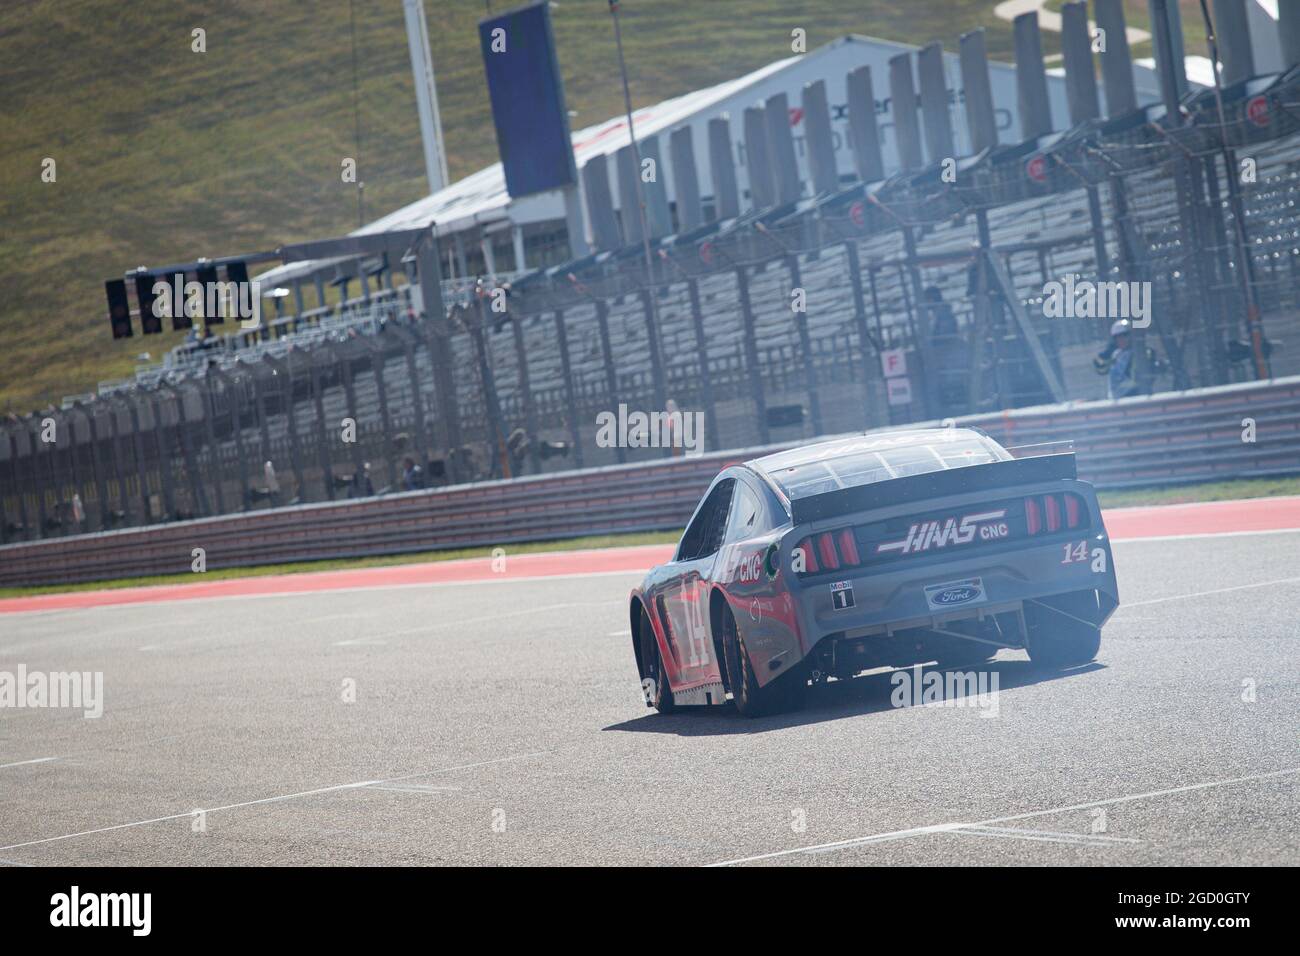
x=913, y=594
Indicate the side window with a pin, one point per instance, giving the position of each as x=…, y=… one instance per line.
x=704, y=535
x=746, y=516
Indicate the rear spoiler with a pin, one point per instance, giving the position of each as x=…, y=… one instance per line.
x=994, y=476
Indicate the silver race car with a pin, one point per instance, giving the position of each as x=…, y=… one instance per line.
x=888, y=549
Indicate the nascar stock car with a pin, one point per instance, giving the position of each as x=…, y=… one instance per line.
x=886, y=549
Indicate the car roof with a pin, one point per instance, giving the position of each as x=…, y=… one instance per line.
x=876, y=456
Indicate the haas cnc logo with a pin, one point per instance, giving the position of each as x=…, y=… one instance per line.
x=924, y=535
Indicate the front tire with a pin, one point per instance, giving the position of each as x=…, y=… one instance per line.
x=783, y=694
x=654, y=682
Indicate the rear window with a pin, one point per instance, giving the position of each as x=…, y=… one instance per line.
x=802, y=473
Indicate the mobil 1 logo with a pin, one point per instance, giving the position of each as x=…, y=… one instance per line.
x=842, y=595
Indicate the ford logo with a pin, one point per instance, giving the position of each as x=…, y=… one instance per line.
x=956, y=595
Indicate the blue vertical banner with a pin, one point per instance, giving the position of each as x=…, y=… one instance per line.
x=527, y=93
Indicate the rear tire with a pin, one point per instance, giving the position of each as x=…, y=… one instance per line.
x=1060, y=638
x=654, y=683
x=783, y=694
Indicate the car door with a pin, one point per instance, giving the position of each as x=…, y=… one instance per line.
x=682, y=600
x=758, y=596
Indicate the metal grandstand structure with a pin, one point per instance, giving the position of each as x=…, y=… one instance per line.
x=1154, y=194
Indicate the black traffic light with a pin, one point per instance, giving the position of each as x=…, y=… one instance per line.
x=237, y=276
x=207, y=277
x=119, y=309
x=176, y=295
x=150, y=324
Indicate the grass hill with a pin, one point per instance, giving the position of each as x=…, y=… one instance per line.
x=164, y=154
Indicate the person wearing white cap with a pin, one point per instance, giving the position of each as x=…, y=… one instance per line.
x=1122, y=381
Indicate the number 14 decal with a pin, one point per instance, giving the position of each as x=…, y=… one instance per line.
x=1076, y=551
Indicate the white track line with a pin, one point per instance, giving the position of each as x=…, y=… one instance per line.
x=24, y=763
x=264, y=800
x=1181, y=597
x=949, y=827
x=1194, y=535
x=1047, y=836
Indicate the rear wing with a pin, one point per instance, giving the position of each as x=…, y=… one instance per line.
x=995, y=476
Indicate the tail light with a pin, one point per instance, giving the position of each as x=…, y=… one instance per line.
x=829, y=551
x=848, y=546
x=1052, y=507
x=826, y=552
x=1051, y=513
x=810, y=565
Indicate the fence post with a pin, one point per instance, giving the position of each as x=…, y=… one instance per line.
x=34, y=444
x=865, y=337
x=343, y=362
x=611, y=374
x=438, y=344
x=137, y=441
x=570, y=400
x=234, y=403
x=702, y=350
x=96, y=464
x=378, y=359
x=6, y=443
x=413, y=374
x=197, y=486
x=165, y=453
x=757, y=392
x=526, y=391
x=921, y=342
x=805, y=348
x=322, y=441
x=119, y=466
x=656, y=355
x=259, y=404
x=214, y=447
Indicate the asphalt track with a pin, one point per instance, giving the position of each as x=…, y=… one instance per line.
x=497, y=720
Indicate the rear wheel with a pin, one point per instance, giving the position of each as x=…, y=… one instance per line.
x=784, y=693
x=1060, y=633
x=654, y=683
